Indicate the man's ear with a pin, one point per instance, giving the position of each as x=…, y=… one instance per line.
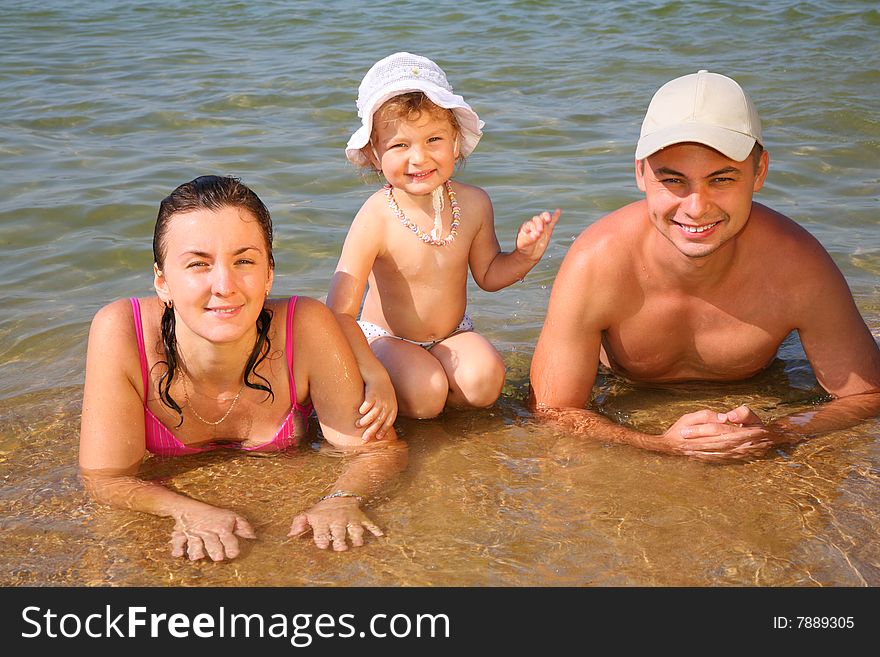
x=640, y=174
x=761, y=173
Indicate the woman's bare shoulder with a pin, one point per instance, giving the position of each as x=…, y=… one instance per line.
x=115, y=320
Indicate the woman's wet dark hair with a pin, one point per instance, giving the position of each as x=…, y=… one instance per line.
x=211, y=193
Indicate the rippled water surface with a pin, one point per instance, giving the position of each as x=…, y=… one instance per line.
x=107, y=106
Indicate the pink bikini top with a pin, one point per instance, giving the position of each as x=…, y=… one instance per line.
x=161, y=442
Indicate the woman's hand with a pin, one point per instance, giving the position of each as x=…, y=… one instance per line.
x=379, y=409
x=205, y=530
x=332, y=520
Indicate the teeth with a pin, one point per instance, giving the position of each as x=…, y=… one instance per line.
x=697, y=229
x=218, y=310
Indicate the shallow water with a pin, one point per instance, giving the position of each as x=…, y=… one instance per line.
x=106, y=108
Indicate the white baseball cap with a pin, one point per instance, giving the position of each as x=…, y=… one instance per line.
x=706, y=108
x=402, y=73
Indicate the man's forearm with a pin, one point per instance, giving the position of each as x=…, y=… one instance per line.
x=837, y=414
x=592, y=425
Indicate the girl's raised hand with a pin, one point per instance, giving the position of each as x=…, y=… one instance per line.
x=534, y=235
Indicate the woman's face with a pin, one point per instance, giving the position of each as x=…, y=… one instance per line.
x=216, y=271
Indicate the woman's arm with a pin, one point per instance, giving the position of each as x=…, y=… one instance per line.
x=326, y=372
x=112, y=445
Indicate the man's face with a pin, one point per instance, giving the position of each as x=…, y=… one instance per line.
x=698, y=198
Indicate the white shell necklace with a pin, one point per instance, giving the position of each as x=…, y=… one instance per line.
x=437, y=202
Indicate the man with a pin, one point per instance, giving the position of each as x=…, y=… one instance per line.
x=697, y=282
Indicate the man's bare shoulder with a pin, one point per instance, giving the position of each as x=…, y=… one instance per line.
x=600, y=269
x=612, y=241
x=778, y=225
x=792, y=247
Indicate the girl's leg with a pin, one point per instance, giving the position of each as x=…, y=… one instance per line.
x=473, y=367
x=418, y=377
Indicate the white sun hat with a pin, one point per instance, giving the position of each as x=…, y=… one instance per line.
x=402, y=73
x=706, y=108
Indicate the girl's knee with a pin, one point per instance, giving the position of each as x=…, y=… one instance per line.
x=481, y=383
x=422, y=409
x=423, y=399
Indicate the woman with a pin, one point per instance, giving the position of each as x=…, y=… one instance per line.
x=213, y=363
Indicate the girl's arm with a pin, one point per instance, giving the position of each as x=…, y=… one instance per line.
x=326, y=371
x=112, y=445
x=493, y=269
x=362, y=246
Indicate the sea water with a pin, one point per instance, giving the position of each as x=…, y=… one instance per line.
x=106, y=107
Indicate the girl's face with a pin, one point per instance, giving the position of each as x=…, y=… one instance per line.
x=416, y=156
x=216, y=271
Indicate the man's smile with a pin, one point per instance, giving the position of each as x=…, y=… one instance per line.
x=697, y=230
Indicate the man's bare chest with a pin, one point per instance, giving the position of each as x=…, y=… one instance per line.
x=672, y=338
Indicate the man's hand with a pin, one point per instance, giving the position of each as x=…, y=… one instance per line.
x=737, y=435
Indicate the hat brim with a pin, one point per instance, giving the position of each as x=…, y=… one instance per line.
x=469, y=123
x=735, y=145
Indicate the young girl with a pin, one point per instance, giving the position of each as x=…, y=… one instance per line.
x=414, y=240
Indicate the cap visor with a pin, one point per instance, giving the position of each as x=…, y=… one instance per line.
x=729, y=143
